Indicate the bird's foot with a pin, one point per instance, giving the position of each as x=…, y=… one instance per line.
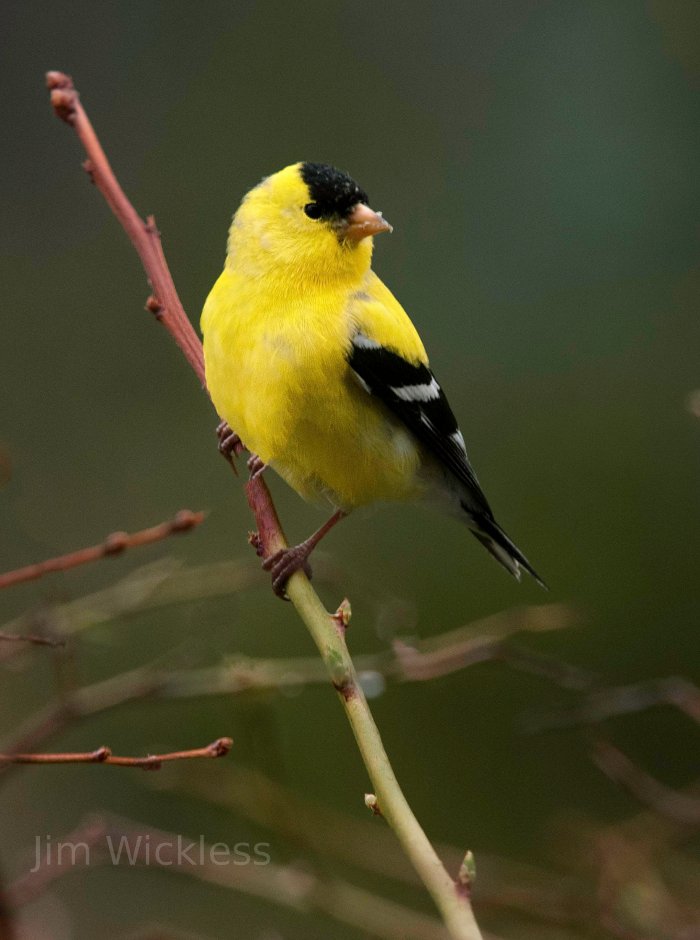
x=230, y=444
x=284, y=563
x=256, y=466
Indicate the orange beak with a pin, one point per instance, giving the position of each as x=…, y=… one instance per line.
x=363, y=222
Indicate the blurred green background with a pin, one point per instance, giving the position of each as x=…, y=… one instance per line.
x=539, y=163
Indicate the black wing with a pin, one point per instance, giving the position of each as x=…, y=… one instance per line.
x=412, y=393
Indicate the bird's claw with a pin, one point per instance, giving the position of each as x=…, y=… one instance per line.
x=230, y=443
x=283, y=564
x=256, y=466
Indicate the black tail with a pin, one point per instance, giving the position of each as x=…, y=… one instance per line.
x=494, y=540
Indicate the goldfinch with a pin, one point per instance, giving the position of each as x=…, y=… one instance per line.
x=317, y=367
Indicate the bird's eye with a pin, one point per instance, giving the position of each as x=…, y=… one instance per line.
x=313, y=210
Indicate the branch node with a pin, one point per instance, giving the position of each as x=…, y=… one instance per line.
x=343, y=614
x=89, y=168
x=220, y=747
x=63, y=95
x=151, y=227
x=256, y=542
x=116, y=543
x=185, y=520
x=58, y=80
x=154, y=306
x=372, y=804
x=346, y=687
x=466, y=875
x=101, y=755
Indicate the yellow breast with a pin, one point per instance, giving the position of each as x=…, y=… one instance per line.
x=277, y=372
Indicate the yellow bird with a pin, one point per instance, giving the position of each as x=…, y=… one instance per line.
x=315, y=364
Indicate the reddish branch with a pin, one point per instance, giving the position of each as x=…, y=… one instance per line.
x=31, y=885
x=681, y=807
x=103, y=755
x=114, y=544
x=164, y=302
x=604, y=703
x=115, y=841
x=30, y=638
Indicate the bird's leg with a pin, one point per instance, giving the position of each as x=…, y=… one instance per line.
x=286, y=561
x=230, y=444
x=256, y=466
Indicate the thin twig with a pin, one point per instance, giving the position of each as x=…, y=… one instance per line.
x=455, y=908
x=160, y=584
x=103, y=755
x=677, y=806
x=603, y=703
x=143, y=234
x=167, y=582
x=484, y=640
x=114, y=544
x=86, y=701
x=634, y=895
x=418, y=662
x=31, y=638
x=245, y=674
x=88, y=836
x=116, y=841
x=358, y=842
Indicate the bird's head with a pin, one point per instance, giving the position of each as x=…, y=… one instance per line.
x=309, y=223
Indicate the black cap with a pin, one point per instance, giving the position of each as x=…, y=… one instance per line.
x=334, y=192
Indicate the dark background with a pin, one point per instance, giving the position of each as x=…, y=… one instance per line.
x=538, y=161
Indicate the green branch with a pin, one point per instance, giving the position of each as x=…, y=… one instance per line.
x=328, y=632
